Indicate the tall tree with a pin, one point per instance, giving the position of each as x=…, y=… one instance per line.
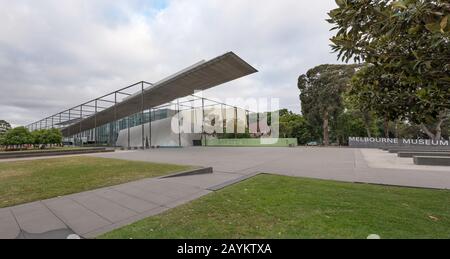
x=4, y=126
x=350, y=124
x=375, y=90
x=321, y=90
x=407, y=39
x=357, y=107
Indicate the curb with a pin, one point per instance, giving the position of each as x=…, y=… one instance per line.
x=198, y=171
x=54, y=153
x=232, y=182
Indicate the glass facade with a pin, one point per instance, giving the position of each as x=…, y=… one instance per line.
x=106, y=135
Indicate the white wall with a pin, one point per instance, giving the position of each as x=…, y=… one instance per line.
x=162, y=135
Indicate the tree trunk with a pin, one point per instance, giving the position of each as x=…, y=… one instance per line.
x=443, y=116
x=396, y=129
x=438, y=135
x=367, y=120
x=326, y=137
x=438, y=129
x=386, y=126
x=427, y=131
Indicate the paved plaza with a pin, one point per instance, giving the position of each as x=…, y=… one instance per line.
x=342, y=164
x=95, y=212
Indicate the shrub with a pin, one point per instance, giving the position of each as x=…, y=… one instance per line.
x=18, y=137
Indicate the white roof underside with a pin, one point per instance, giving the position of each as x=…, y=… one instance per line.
x=199, y=77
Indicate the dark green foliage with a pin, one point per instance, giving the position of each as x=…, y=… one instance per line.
x=349, y=124
x=20, y=136
x=46, y=137
x=4, y=127
x=321, y=94
x=407, y=44
x=2, y=140
x=296, y=126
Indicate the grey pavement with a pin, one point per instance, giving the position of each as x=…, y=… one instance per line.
x=91, y=213
x=342, y=164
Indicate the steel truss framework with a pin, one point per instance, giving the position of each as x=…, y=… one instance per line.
x=107, y=134
x=100, y=120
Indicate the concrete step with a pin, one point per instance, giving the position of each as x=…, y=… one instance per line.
x=44, y=153
x=398, y=150
x=413, y=154
x=431, y=160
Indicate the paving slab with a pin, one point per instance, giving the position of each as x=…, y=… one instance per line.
x=54, y=234
x=168, y=186
x=9, y=229
x=95, y=212
x=384, y=161
x=36, y=218
x=145, y=194
x=108, y=228
x=130, y=202
x=77, y=217
x=104, y=207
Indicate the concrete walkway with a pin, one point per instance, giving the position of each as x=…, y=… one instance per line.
x=92, y=213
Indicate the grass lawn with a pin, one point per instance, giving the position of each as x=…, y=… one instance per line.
x=269, y=206
x=27, y=181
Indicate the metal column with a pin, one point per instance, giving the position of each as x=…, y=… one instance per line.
x=128, y=129
x=116, y=123
x=203, y=122
x=150, y=127
x=142, y=115
x=68, y=127
x=224, y=119
x=235, y=122
x=247, y=124
x=179, y=122
x=258, y=129
x=81, y=120
x=95, y=124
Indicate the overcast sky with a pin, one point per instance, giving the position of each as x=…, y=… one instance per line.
x=57, y=54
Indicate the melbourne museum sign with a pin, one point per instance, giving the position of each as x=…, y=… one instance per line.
x=365, y=142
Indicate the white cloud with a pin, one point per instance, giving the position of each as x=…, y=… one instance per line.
x=57, y=54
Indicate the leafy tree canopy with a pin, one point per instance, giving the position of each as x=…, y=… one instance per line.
x=407, y=44
x=296, y=126
x=4, y=126
x=18, y=136
x=21, y=136
x=321, y=90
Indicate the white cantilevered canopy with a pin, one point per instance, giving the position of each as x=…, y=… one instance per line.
x=201, y=76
